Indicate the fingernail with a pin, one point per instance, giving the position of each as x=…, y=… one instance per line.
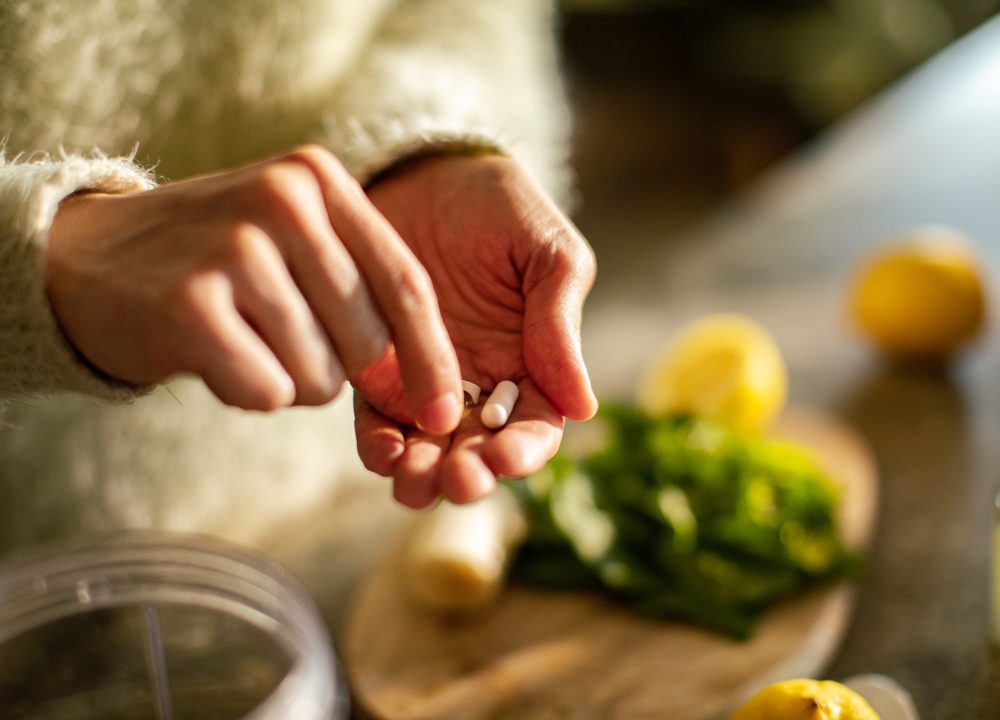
x=440, y=415
x=393, y=451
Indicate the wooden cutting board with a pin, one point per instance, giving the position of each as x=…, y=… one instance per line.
x=536, y=655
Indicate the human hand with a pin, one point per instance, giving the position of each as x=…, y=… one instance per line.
x=511, y=274
x=274, y=282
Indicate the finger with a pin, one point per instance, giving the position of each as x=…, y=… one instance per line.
x=380, y=440
x=323, y=269
x=464, y=476
x=552, y=317
x=268, y=298
x=234, y=362
x=416, y=473
x=381, y=385
x=528, y=440
x=403, y=292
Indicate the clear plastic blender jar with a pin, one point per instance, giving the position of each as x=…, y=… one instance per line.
x=162, y=625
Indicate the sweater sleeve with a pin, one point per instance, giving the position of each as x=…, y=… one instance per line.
x=456, y=74
x=35, y=356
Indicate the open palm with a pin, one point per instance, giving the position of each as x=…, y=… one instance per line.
x=510, y=274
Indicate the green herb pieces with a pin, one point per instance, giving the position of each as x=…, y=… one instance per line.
x=682, y=517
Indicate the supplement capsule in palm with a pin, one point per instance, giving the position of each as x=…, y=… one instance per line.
x=499, y=406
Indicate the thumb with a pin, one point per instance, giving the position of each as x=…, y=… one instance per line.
x=552, y=316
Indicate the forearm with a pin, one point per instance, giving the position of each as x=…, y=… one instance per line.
x=35, y=357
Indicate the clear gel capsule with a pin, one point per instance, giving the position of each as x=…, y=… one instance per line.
x=500, y=405
x=471, y=393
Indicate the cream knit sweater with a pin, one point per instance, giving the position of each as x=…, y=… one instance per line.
x=114, y=95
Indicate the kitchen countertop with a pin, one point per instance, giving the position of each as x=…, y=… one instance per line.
x=925, y=152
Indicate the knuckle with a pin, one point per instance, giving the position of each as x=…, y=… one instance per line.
x=319, y=160
x=243, y=245
x=282, y=185
x=413, y=289
x=193, y=301
x=310, y=152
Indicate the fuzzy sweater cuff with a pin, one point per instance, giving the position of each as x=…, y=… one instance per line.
x=35, y=356
x=454, y=76
x=368, y=149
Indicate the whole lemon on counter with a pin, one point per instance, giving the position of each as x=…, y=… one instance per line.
x=806, y=700
x=922, y=297
x=726, y=367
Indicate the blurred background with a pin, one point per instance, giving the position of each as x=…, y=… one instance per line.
x=682, y=103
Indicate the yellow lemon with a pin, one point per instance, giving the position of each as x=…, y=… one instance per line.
x=806, y=700
x=922, y=297
x=725, y=367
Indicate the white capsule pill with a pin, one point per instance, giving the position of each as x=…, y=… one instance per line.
x=471, y=392
x=500, y=405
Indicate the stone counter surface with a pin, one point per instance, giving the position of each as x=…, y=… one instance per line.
x=925, y=152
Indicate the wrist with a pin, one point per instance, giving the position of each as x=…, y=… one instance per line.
x=434, y=155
